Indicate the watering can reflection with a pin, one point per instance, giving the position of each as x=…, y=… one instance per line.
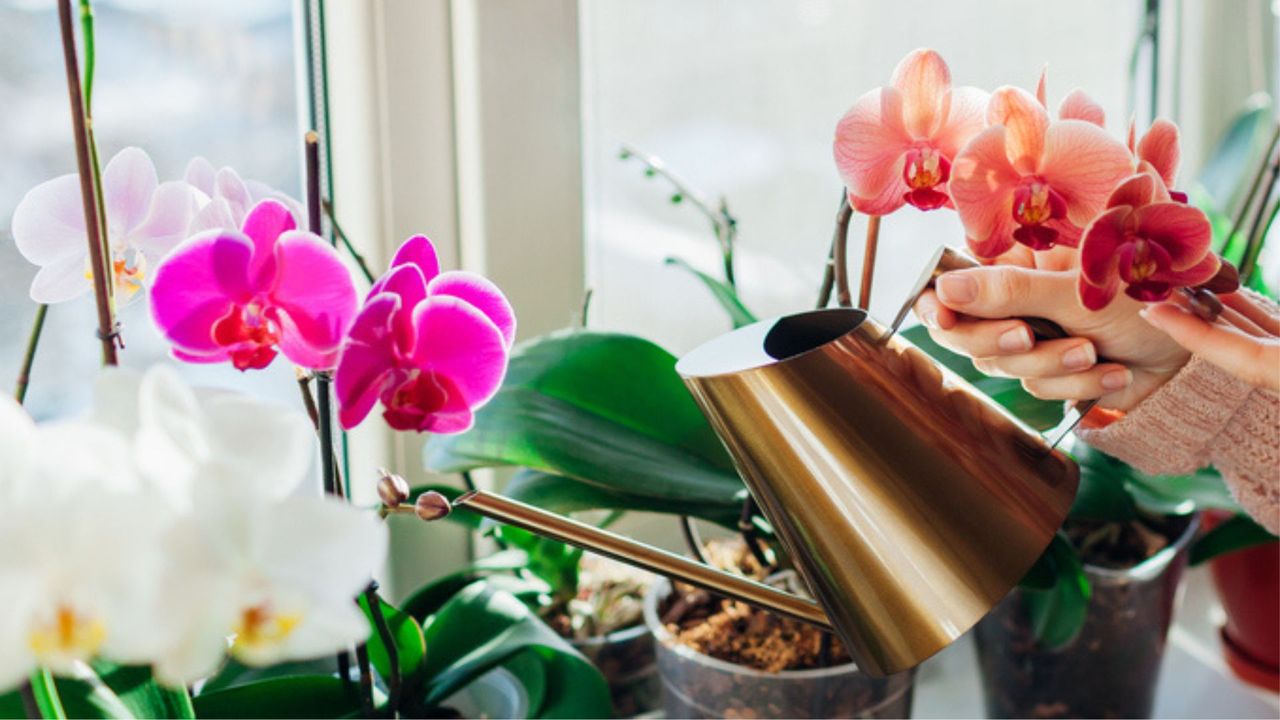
x=909, y=502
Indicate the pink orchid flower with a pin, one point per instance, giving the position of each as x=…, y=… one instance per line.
x=227, y=198
x=1146, y=242
x=145, y=220
x=432, y=346
x=1159, y=152
x=242, y=295
x=1031, y=180
x=895, y=146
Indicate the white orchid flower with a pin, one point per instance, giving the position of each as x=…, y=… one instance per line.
x=230, y=198
x=251, y=563
x=79, y=548
x=145, y=219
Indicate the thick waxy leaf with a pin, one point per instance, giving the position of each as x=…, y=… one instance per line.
x=427, y=599
x=1058, y=614
x=302, y=696
x=728, y=298
x=605, y=409
x=141, y=694
x=411, y=648
x=482, y=627
x=1102, y=494
x=1238, y=533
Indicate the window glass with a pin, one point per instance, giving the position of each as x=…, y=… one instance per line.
x=178, y=78
x=741, y=98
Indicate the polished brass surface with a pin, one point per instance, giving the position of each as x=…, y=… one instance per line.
x=910, y=502
x=603, y=542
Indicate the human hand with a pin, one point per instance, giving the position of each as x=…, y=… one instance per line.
x=1243, y=341
x=975, y=313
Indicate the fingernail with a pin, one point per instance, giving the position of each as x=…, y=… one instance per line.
x=1117, y=379
x=1016, y=340
x=1079, y=357
x=957, y=288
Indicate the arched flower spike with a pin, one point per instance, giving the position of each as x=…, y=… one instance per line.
x=145, y=220
x=227, y=199
x=431, y=346
x=241, y=296
x=1146, y=243
x=895, y=146
x=1030, y=180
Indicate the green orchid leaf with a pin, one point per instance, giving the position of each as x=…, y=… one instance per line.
x=302, y=696
x=1237, y=533
x=1102, y=494
x=728, y=298
x=1058, y=614
x=428, y=598
x=137, y=689
x=411, y=648
x=482, y=627
x=607, y=410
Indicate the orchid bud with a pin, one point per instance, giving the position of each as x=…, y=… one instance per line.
x=392, y=489
x=432, y=505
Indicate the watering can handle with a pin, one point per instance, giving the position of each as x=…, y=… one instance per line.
x=947, y=259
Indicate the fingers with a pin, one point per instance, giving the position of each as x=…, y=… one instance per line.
x=933, y=313
x=1008, y=291
x=1245, y=305
x=985, y=338
x=1049, y=358
x=1095, y=382
x=1252, y=359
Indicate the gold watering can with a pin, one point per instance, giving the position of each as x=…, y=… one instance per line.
x=909, y=502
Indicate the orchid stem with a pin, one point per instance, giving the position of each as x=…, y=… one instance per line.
x=388, y=643
x=1237, y=222
x=840, y=252
x=1254, y=241
x=29, y=357
x=869, y=261
x=346, y=242
x=748, y=530
x=366, y=679
x=90, y=64
x=691, y=538
x=30, y=705
x=723, y=223
x=107, y=331
x=828, y=278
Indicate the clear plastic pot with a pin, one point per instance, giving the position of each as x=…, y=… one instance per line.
x=626, y=659
x=1110, y=669
x=699, y=686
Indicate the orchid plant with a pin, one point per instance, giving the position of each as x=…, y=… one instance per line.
x=169, y=553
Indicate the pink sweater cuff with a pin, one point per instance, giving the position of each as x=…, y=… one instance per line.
x=1202, y=416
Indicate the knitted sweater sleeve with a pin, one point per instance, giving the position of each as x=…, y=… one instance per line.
x=1205, y=416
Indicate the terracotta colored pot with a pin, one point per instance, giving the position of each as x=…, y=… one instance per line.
x=1248, y=583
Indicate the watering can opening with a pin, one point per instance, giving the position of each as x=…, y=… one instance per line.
x=770, y=341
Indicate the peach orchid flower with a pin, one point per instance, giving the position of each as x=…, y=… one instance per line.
x=895, y=146
x=1031, y=180
x=1159, y=151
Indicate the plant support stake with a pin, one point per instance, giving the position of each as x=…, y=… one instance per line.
x=869, y=261
x=107, y=332
x=840, y=252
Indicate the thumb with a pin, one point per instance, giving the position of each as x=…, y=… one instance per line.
x=1001, y=291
